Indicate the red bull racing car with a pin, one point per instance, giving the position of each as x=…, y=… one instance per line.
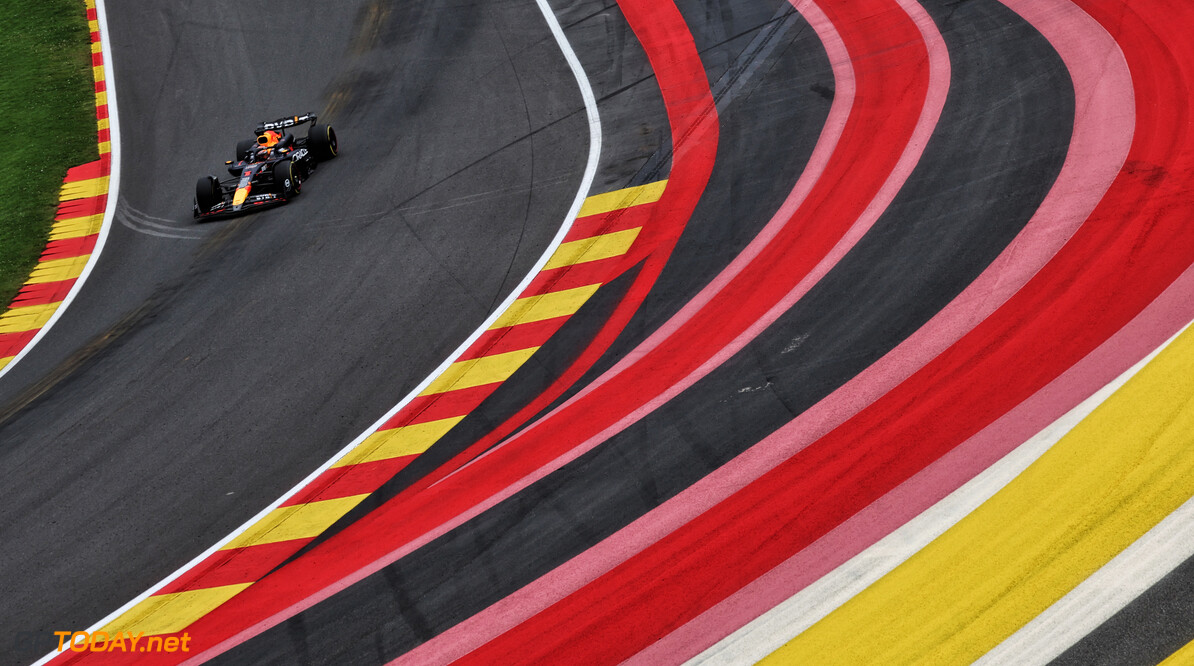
x=269, y=170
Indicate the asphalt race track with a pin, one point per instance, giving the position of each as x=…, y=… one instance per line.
x=645, y=331
x=197, y=350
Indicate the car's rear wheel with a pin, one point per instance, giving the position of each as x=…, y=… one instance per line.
x=286, y=180
x=244, y=149
x=207, y=193
x=321, y=140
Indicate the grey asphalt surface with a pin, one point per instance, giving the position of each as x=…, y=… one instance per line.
x=764, y=123
x=205, y=369
x=1000, y=143
x=1146, y=631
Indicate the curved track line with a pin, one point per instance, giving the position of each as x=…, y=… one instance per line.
x=784, y=218
x=1168, y=314
x=594, y=124
x=479, y=629
x=1117, y=474
x=786, y=620
x=1101, y=280
x=545, y=451
x=693, y=119
x=930, y=112
x=694, y=144
x=1172, y=304
x=513, y=468
x=113, y=191
x=1096, y=599
x=1103, y=133
x=1031, y=422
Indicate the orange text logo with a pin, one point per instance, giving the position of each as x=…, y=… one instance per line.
x=121, y=641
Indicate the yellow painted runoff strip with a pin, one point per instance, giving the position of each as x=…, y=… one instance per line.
x=404, y=441
x=81, y=189
x=96, y=47
x=101, y=98
x=170, y=613
x=27, y=318
x=1183, y=657
x=1099, y=489
x=57, y=270
x=300, y=521
x=479, y=371
x=545, y=306
x=77, y=227
x=618, y=199
x=593, y=249
x=5, y=361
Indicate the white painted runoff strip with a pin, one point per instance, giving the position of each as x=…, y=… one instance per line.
x=1119, y=582
x=590, y=101
x=113, y=189
x=773, y=629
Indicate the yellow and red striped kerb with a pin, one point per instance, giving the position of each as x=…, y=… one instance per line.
x=594, y=251
x=76, y=227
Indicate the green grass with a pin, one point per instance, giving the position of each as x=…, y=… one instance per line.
x=47, y=123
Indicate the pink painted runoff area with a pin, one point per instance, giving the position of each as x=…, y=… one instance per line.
x=1102, y=135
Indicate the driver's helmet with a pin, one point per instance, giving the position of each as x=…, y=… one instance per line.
x=268, y=139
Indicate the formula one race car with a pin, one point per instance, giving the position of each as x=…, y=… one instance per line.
x=268, y=170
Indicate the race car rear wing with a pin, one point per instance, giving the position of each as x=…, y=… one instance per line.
x=289, y=121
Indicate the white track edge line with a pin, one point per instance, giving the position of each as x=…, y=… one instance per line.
x=594, y=122
x=113, y=188
x=1101, y=595
x=772, y=630
x=101, y=16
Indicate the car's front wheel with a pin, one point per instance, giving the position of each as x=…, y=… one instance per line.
x=207, y=193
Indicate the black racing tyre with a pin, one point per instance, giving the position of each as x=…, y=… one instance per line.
x=321, y=140
x=244, y=149
x=207, y=193
x=286, y=180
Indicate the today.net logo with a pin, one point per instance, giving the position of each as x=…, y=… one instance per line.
x=121, y=641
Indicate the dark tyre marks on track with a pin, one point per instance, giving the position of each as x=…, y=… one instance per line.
x=773, y=128
x=1000, y=142
x=1002, y=139
x=633, y=118
x=768, y=134
x=636, y=145
x=539, y=372
x=216, y=374
x=775, y=118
